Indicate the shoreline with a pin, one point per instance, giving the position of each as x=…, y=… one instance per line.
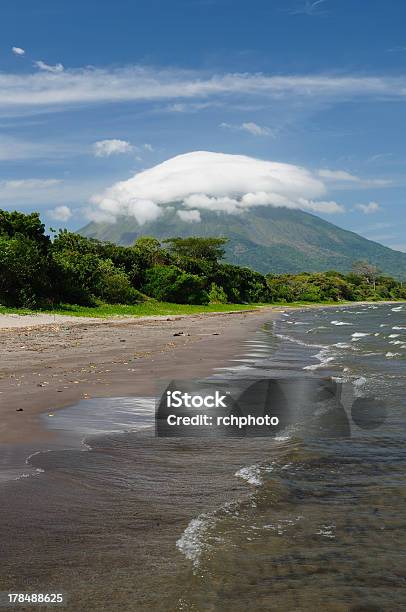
x=151, y=513
x=56, y=365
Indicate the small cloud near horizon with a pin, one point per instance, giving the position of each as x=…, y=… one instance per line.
x=49, y=68
x=368, y=209
x=60, y=213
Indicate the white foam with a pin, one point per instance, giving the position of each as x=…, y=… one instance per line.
x=324, y=356
x=191, y=541
x=358, y=335
x=297, y=341
x=281, y=438
x=340, y=323
x=397, y=308
x=343, y=345
x=251, y=474
x=359, y=385
x=394, y=335
x=390, y=355
x=397, y=327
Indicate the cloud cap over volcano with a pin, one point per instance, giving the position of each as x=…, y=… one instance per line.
x=212, y=181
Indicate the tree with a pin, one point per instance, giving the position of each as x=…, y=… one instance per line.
x=171, y=284
x=13, y=224
x=194, y=247
x=24, y=272
x=366, y=270
x=114, y=287
x=241, y=284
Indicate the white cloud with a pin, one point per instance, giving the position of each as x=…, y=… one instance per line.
x=61, y=213
x=250, y=127
x=60, y=89
x=114, y=146
x=31, y=183
x=148, y=147
x=309, y=8
x=212, y=181
x=12, y=148
x=44, y=193
x=342, y=177
x=255, y=129
x=18, y=51
x=190, y=107
x=367, y=209
x=29, y=190
x=190, y=216
x=49, y=68
x=337, y=175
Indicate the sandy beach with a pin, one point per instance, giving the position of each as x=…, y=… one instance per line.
x=51, y=361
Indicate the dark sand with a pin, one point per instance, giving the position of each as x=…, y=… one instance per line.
x=55, y=365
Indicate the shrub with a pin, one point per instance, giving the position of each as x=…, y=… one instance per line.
x=24, y=272
x=170, y=284
x=217, y=295
x=114, y=286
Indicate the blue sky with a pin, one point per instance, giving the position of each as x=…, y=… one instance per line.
x=93, y=92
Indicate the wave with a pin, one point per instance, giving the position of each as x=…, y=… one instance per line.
x=358, y=335
x=339, y=323
x=191, y=542
x=324, y=356
x=251, y=474
x=300, y=342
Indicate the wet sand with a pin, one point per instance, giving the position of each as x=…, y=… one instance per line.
x=52, y=365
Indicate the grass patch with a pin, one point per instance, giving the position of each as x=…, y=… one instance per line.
x=150, y=308
x=154, y=308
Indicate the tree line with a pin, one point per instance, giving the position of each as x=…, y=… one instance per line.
x=37, y=271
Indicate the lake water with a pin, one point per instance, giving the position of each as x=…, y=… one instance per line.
x=300, y=522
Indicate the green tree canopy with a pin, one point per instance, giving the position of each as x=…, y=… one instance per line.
x=196, y=247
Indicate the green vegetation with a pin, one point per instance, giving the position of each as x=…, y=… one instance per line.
x=147, y=309
x=180, y=275
x=265, y=239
